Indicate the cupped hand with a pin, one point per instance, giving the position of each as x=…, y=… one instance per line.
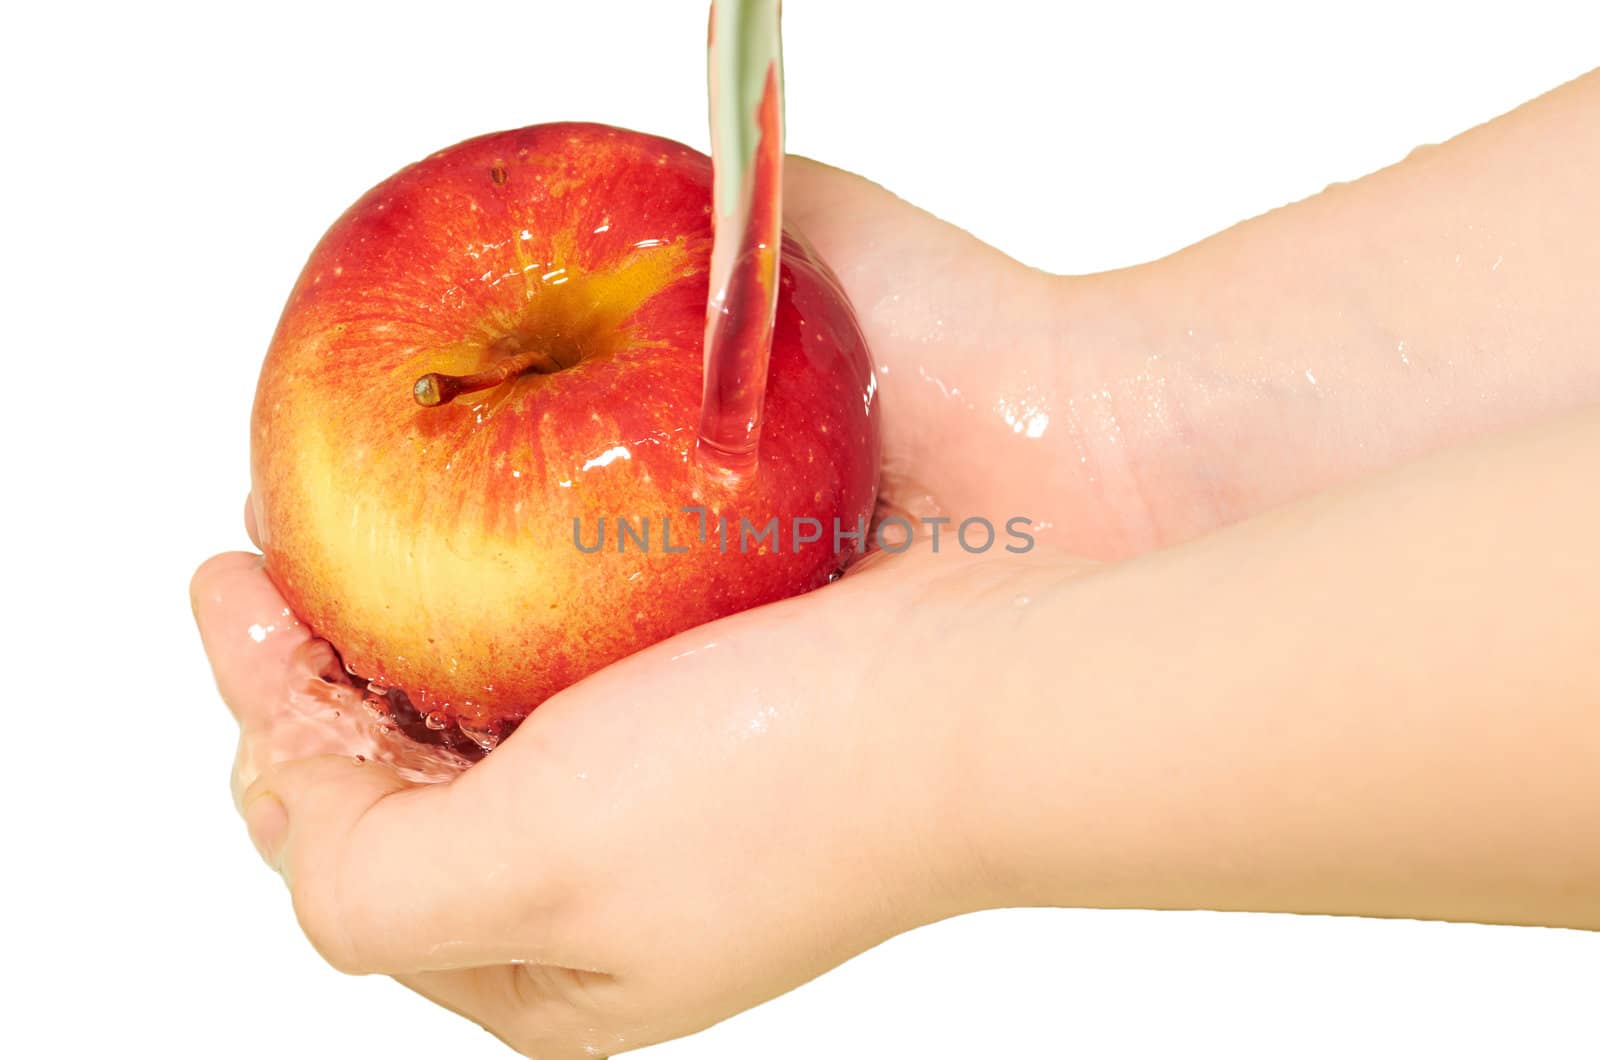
x=722, y=816
x=695, y=829
x=1002, y=393
x=715, y=819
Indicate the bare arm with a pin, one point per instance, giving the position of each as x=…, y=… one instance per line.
x=1383, y=701
x=1440, y=299
x=1453, y=294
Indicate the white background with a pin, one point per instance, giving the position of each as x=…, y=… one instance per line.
x=166, y=170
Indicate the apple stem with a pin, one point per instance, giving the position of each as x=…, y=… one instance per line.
x=437, y=388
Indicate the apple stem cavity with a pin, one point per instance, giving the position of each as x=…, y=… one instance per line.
x=437, y=388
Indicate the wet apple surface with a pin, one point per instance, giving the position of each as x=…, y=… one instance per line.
x=491, y=362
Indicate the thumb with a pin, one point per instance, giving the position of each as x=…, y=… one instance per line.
x=334, y=792
x=316, y=821
x=387, y=874
x=392, y=876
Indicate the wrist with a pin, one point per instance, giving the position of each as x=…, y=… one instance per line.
x=1131, y=463
x=964, y=726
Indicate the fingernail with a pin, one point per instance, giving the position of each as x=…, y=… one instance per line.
x=267, y=821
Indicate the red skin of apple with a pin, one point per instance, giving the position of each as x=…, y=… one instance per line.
x=434, y=547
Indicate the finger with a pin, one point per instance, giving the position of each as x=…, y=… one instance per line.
x=815, y=194
x=392, y=876
x=540, y=1011
x=386, y=875
x=282, y=685
x=251, y=523
x=852, y=222
x=286, y=687
x=253, y=640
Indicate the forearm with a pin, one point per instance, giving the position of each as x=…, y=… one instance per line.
x=1442, y=298
x=1385, y=701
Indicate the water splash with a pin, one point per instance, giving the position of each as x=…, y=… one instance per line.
x=326, y=711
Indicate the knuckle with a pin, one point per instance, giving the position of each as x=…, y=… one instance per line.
x=320, y=907
x=561, y=1013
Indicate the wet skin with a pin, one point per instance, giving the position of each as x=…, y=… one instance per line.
x=899, y=746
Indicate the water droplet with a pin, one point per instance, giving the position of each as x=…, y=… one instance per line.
x=376, y=689
x=435, y=720
x=485, y=736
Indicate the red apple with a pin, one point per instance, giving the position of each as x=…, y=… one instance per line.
x=564, y=268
